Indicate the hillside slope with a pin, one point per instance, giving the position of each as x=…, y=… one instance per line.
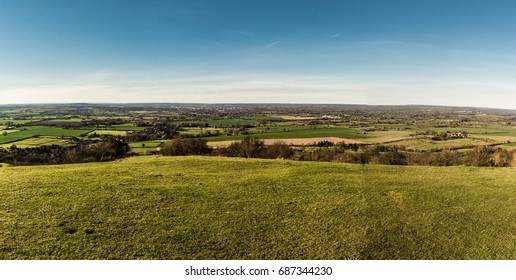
x=228, y=208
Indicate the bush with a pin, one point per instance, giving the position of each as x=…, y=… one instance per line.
x=106, y=150
x=109, y=149
x=184, y=147
x=279, y=150
x=248, y=148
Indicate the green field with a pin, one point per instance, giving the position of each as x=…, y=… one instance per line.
x=36, y=142
x=68, y=120
x=128, y=127
x=230, y=122
x=229, y=208
x=31, y=131
x=16, y=122
x=148, y=144
x=387, y=136
x=509, y=146
x=426, y=144
x=110, y=132
x=8, y=131
x=197, y=130
x=485, y=130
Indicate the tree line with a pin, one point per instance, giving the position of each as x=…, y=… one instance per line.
x=348, y=153
x=112, y=148
x=106, y=150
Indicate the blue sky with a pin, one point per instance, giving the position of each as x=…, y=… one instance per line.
x=453, y=52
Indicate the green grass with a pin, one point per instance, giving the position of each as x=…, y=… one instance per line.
x=220, y=208
x=110, y=132
x=148, y=144
x=8, y=131
x=16, y=122
x=197, y=130
x=387, y=136
x=230, y=122
x=125, y=125
x=36, y=142
x=426, y=144
x=67, y=120
x=265, y=117
x=128, y=127
x=509, y=146
x=31, y=131
x=487, y=130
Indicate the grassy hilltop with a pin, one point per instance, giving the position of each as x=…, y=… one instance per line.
x=228, y=208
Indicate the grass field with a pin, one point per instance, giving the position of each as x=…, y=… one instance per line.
x=3, y=122
x=128, y=127
x=110, y=132
x=220, y=208
x=36, y=142
x=486, y=130
x=31, y=131
x=231, y=122
x=68, y=120
x=387, y=136
x=426, y=144
x=509, y=146
x=8, y=131
x=148, y=144
x=197, y=130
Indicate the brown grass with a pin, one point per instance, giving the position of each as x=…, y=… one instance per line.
x=297, y=118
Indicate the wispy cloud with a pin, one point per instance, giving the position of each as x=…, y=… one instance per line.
x=336, y=35
x=272, y=44
x=269, y=88
x=214, y=89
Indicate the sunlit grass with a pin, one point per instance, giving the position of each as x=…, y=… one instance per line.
x=221, y=208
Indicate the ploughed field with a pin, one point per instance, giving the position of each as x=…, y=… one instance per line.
x=232, y=208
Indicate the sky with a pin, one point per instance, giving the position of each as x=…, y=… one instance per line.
x=452, y=52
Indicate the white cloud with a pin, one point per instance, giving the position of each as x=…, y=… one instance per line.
x=272, y=44
x=374, y=90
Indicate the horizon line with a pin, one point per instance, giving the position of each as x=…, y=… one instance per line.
x=255, y=103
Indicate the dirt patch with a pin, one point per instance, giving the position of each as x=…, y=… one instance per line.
x=297, y=118
x=293, y=141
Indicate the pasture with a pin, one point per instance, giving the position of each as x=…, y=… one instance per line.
x=427, y=144
x=387, y=136
x=109, y=132
x=230, y=208
x=16, y=122
x=32, y=131
x=128, y=127
x=36, y=142
x=145, y=146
